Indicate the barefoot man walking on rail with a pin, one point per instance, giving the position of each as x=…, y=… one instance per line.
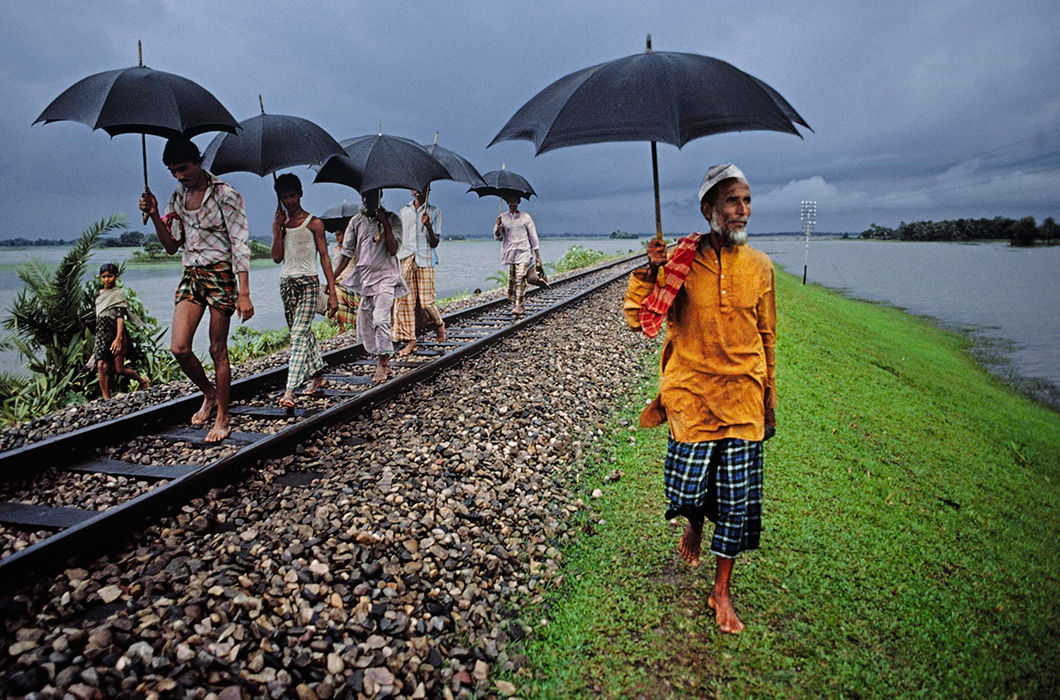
x=208, y=219
x=717, y=387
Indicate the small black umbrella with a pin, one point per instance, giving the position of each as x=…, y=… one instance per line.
x=380, y=161
x=142, y=101
x=269, y=142
x=500, y=182
x=337, y=217
x=458, y=167
x=652, y=96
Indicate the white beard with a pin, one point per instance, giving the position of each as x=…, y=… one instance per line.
x=728, y=238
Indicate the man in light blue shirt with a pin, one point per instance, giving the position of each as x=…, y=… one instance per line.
x=422, y=226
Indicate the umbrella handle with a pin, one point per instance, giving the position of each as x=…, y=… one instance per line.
x=143, y=156
x=655, y=180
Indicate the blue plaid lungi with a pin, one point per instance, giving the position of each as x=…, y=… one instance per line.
x=722, y=481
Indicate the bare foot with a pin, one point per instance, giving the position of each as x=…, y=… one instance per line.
x=218, y=432
x=382, y=370
x=314, y=386
x=724, y=614
x=199, y=418
x=439, y=334
x=408, y=349
x=519, y=310
x=145, y=384
x=287, y=400
x=690, y=544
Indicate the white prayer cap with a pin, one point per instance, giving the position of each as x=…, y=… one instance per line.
x=717, y=173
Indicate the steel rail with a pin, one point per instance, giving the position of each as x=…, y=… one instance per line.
x=18, y=462
x=105, y=530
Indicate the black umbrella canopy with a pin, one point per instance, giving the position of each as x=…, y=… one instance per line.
x=382, y=161
x=140, y=100
x=458, y=167
x=652, y=96
x=498, y=183
x=267, y=143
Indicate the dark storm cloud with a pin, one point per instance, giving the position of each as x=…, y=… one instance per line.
x=925, y=112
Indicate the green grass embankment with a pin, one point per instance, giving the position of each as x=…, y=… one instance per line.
x=912, y=513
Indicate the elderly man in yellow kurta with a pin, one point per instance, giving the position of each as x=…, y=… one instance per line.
x=716, y=387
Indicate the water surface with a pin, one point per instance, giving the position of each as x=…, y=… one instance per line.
x=992, y=290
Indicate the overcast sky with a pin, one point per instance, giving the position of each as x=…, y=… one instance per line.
x=920, y=110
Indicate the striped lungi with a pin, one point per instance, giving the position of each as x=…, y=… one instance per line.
x=517, y=282
x=420, y=281
x=299, y=295
x=347, y=311
x=721, y=480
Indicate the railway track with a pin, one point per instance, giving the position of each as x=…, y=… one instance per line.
x=163, y=464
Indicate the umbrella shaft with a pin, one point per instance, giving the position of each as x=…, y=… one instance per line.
x=143, y=157
x=655, y=181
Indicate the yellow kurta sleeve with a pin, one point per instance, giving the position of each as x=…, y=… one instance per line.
x=638, y=288
x=767, y=329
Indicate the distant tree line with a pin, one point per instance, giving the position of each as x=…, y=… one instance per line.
x=26, y=242
x=1022, y=232
x=128, y=239
x=153, y=252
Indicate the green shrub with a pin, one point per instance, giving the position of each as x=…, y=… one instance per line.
x=578, y=257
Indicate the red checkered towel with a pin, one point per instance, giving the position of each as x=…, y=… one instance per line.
x=654, y=307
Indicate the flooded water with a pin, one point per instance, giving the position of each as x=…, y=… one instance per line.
x=463, y=267
x=990, y=289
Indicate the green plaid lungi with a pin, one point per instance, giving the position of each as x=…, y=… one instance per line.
x=299, y=295
x=722, y=481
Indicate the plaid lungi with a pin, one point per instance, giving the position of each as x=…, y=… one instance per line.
x=299, y=295
x=347, y=312
x=517, y=282
x=420, y=281
x=722, y=480
x=213, y=285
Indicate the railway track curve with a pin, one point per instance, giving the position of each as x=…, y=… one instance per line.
x=118, y=447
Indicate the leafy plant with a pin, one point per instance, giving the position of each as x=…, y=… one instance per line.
x=578, y=257
x=247, y=343
x=500, y=277
x=50, y=324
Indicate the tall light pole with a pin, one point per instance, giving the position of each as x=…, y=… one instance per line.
x=808, y=217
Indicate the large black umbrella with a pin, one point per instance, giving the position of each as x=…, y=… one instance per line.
x=142, y=101
x=380, y=161
x=269, y=142
x=652, y=96
x=497, y=183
